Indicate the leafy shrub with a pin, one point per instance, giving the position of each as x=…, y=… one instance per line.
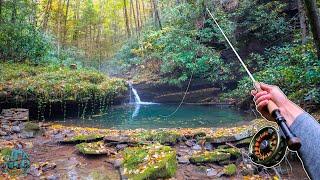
x=294, y=68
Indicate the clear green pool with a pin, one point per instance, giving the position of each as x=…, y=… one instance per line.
x=151, y=116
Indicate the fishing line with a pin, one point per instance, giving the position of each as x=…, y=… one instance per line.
x=182, y=100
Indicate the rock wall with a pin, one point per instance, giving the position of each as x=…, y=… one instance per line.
x=199, y=91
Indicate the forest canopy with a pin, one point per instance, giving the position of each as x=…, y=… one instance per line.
x=170, y=41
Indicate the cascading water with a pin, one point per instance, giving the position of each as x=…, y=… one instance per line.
x=137, y=101
x=136, y=96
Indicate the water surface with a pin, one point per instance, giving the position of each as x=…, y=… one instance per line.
x=152, y=116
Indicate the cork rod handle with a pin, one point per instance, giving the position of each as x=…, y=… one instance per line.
x=293, y=142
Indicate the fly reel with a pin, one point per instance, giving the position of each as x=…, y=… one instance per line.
x=267, y=147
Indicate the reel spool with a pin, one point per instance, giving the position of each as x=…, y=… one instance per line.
x=267, y=147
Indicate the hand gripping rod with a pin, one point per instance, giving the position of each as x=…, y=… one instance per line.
x=293, y=142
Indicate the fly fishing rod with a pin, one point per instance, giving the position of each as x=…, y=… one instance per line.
x=266, y=139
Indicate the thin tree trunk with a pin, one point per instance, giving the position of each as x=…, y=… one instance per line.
x=314, y=20
x=65, y=24
x=134, y=15
x=14, y=13
x=126, y=17
x=76, y=20
x=144, y=11
x=303, y=21
x=156, y=13
x=138, y=14
x=47, y=15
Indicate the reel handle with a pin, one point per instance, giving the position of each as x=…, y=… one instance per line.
x=293, y=142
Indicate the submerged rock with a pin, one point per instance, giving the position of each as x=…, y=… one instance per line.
x=149, y=162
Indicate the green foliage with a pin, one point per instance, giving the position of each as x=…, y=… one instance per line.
x=262, y=21
x=20, y=40
x=191, y=44
x=294, y=68
x=54, y=83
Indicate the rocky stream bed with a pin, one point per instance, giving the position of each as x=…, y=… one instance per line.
x=67, y=152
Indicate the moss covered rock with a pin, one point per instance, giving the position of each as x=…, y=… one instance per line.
x=163, y=137
x=30, y=126
x=149, y=162
x=83, y=138
x=235, y=153
x=210, y=157
x=94, y=148
x=230, y=170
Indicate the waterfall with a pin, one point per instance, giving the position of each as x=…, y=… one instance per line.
x=136, y=96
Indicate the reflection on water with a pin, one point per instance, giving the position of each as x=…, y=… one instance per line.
x=132, y=116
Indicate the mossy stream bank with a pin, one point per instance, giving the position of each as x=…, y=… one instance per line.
x=48, y=90
x=66, y=152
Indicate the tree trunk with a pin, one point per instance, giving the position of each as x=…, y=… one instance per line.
x=126, y=17
x=65, y=24
x=14, y=13
x=46, y=15
x=138, y=14
x=134, y=15
x=314, y=20
x=144, y=11
x=156, y=13
x=303, y=22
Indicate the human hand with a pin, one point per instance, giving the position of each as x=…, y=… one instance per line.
x=273, y=93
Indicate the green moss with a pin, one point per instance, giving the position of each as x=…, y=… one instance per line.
x=149, y=162
x=30, y=126
x=5, y=152
x=55, y=83
x=235, y=153
x=92, y=148
x=244, y=142
x=162, y=137
x=230, y=169
x=210, y=157
x=84, y=138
